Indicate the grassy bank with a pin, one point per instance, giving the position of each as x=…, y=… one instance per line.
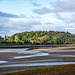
x=57, y=70
x=17, y=69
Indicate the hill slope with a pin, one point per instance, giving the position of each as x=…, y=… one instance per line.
x=44, y=37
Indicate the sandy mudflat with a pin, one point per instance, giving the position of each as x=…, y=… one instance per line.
x=56, y=49
x=55, y=55
x=58, y=54
x=6, y=55
x=10, y=51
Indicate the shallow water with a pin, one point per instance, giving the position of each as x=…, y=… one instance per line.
x=34, y=55
x=15, y=49
x=45, y=60
x=3, y=62
x=38, y=64
x=29, y=52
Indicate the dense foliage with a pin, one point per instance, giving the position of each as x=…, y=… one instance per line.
x=42, y=37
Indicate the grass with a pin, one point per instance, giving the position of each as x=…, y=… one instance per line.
x=57, y=70
x=17, y=68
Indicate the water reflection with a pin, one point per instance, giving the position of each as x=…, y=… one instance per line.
x=35, y=55
x=38, y=64
x=3, y=62
x=14, y=49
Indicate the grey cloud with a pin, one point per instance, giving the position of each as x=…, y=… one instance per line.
x=28, y=22
x=8, y=15
x=48, y=23
x=69, y=22
x=4, y=21
x=8, y=26
x=4, y=28
x=36, y=4
x=57, y=15
x=72, y=19
x=64, y=6
x=65, y=20
x=57, y=6
x=35, y=17
x=73, y=15
x=43, y=10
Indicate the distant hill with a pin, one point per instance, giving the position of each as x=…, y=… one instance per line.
x=44, y=37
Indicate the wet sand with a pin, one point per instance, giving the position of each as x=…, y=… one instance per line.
x=9, y=51
x=55, y=56
x=58, y=54
x=59, y=51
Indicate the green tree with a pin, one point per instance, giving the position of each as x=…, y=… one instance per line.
x=5, y=38
x=24, y=39
x=16, y=40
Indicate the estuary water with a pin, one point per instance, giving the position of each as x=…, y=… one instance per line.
x=14, y=49
x=38, y=64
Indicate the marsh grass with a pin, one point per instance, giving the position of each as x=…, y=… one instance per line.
x=17, y=68
x=57, y=70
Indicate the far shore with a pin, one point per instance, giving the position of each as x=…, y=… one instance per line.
x=53, y=50
x=10, y=51
x=37, y=46
x=47, y=49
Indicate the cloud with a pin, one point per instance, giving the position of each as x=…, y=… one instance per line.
x=48, y=23
x=34, y=17
x=64, y=6
x=61, y=18
x=58, y=16
x=43, y=10
x=5, y=25
x=57, y=6
x=70, y=20
x=8, y=15
x=10, y=27
x=28, y=22
x=36, y=4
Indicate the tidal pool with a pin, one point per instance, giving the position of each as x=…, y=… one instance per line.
x=38, y=64
x=3, y=62
x=34, y=55
x=14, y=49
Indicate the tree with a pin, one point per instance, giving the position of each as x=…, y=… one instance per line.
x=17, y=39
x=24, y=39
x=5, y=37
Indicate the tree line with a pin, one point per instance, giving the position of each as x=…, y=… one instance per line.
x=41, y=37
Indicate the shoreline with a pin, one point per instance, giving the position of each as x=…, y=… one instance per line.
x=36, y=46
x=54, y=70
x=10, y=51
x=53, y=49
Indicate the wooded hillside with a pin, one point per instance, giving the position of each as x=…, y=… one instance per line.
x=41, y=37
x=44, y=37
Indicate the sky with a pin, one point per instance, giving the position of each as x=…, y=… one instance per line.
x=18, y=16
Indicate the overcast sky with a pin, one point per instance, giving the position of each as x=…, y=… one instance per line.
x=36, y=15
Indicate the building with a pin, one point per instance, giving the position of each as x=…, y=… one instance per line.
x=8, y=37
x=16, y=36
